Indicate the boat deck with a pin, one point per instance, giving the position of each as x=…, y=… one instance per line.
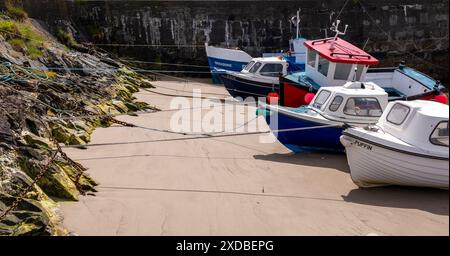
x=300, y=77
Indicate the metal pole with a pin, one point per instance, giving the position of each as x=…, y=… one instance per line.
x=298, y=22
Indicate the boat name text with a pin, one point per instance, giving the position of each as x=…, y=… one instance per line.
x=363, y=145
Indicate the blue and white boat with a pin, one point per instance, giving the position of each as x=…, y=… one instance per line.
x=323, y=120
x=221, y=60
x=257, y=79
x=261, y=76
x=224, y=60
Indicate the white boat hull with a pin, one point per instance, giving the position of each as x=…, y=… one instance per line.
x=374, y=165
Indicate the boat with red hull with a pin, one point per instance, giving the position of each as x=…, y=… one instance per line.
x=401, y=83
x=333, y=61
x=330, y=62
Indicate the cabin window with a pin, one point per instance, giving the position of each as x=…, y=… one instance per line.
x=439, y=136
x=271, y=70
x=321, y=99
x=359, y=70
x=363, y=106
x=312, y=58
x=249, y=65
x=342, y=71
x=336, y=103
x=255, y=67
x=323, y=66
x=398, y=114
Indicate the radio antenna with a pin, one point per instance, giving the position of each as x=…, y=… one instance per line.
x=335, y=28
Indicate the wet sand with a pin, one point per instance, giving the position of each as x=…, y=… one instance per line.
x=234, y=186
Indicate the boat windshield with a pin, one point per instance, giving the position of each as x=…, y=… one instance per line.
x=321, y=99
x=336, y=103
x=249, y=65
x=363, y=106
x=398, y=114
x=271, y=69
x=255, y=67
x=439, y=136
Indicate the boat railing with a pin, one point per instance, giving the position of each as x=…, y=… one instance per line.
x=351, y=55
x=323, y=40
x=436, y=83
x=381, y=70
x=401, y=70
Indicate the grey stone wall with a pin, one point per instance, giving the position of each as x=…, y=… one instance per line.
x=412, y=30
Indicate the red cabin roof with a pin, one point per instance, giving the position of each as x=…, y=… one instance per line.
x=344, y=52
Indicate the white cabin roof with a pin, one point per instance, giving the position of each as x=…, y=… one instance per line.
x=415, y=124
x=354, y=102
x=269, y=59
x=357, y=89
x=431, y=109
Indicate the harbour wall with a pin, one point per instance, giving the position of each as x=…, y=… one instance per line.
x=415, y=31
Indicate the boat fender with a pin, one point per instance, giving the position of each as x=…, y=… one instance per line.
x=309, y=97
x=441, y=98
x=273, y=98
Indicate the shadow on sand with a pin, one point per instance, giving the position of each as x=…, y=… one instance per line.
x=425, y=199
x=336, y=161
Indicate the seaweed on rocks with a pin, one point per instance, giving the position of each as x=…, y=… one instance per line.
x=60, y=97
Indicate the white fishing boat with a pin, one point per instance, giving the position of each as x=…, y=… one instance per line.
x=408, y=146
x=257, y=79
x=354, y=103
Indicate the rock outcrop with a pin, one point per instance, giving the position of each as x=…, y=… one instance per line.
x=51, y=94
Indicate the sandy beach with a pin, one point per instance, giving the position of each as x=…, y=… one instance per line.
x=233, y=186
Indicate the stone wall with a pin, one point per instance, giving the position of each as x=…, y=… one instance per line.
x=412, y=30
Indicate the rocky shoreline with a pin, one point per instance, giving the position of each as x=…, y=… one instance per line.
x=55, y=95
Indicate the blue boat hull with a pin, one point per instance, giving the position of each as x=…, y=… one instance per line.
x=219, y=66
x=322, y=139
x=238, y=87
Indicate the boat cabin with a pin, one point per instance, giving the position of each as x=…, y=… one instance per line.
x=421, y=123
x=296, y=56
x=352, y=102
x=266, y=68
x=333, y=61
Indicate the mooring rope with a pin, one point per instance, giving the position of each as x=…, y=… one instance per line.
x=203, y=137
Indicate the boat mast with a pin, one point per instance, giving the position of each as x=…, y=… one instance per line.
x=298, y=22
